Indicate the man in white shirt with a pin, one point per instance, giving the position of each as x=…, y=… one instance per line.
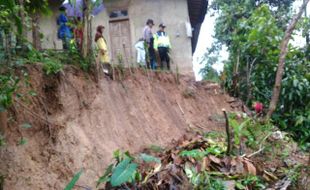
x=149, y=44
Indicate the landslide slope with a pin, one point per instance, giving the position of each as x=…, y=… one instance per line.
x=77, y=124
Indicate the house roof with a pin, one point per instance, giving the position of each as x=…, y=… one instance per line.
x=197, y=10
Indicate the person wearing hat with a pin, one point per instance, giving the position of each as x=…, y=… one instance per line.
x=162, y=45
x=149, y=43
x=63, y=32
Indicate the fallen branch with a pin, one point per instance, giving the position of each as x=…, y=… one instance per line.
x=254, y=153
x=180, y=108
x=261, y=148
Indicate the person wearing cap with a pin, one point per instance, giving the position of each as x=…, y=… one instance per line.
x=103, y=53
x=162, y=45
x=63, y=32
x=149, y=43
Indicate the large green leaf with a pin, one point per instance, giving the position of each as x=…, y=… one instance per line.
x=123, y=172
x=74, y=180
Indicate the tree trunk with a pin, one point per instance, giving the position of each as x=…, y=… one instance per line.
x=87, y=30
x=20, y=39
x=281, y=64
x=36, y=39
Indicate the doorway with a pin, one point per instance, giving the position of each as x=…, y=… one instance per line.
x=120, y=41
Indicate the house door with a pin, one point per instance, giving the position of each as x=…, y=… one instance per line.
x=120, y=41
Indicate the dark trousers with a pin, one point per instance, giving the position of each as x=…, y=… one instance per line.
x=164, y=56
x=152, y=64
x=65, y=43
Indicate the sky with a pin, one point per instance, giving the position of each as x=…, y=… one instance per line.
x=205, y=41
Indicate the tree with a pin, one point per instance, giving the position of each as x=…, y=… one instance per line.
x=281, y=64
x=36, y=8
x=252, y=36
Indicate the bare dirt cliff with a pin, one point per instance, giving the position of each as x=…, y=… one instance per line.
x=77, y=124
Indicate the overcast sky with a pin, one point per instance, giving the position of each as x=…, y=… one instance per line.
x=205, y=41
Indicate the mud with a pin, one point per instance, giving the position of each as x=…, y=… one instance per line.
x=77, y=124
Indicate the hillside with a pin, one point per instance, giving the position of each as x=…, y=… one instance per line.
x=76, y=123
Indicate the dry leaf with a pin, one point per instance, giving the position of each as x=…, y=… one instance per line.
x=215, y=159
x=249, y=167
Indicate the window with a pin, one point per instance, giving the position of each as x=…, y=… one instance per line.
x=118, y=13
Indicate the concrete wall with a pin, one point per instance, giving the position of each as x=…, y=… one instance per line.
x=174, y=13
x=48, y=27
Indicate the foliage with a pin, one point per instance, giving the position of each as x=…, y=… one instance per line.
x=252, y=32
x=8, y=13
x=8, y=85
x=22, y=141
x=37, y=7
x=106, y=176
x=250, y=131
x=202, y=180
x=252, y=182
x=75, y=178
x=123, y=172
x=51, y=66
x=2, y=140
x=210, y=74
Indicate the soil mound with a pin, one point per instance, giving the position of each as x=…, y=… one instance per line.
x=76, y=123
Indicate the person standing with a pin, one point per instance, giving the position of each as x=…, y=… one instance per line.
x=64, y=32
x=141, y=54
x=103, y=53
x=149, y=44
x=78, y=33
x=162, y=45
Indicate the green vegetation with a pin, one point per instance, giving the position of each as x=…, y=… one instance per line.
x=72, y=183
x=202, y=163
x=123, y=170
x=252, y=32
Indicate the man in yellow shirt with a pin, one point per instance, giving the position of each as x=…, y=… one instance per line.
x=162, y=45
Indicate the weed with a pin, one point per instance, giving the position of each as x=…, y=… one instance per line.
x=203, y=180
x=51, y=66
x=72, y=183
x=250, y=182
x=8, y=85
x=22, y=141
x=120, y=69
x=2, y=140
x=124, y=170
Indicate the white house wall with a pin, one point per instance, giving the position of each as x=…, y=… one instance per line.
x=174, y=13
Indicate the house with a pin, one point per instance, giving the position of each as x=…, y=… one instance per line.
x=124, y=21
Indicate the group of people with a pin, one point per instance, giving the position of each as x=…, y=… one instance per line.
x=153, y=49
x=70, y=33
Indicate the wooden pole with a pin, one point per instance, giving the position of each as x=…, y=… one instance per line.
x=229, y=144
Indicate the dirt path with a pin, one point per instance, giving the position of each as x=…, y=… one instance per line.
x=97, y=120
